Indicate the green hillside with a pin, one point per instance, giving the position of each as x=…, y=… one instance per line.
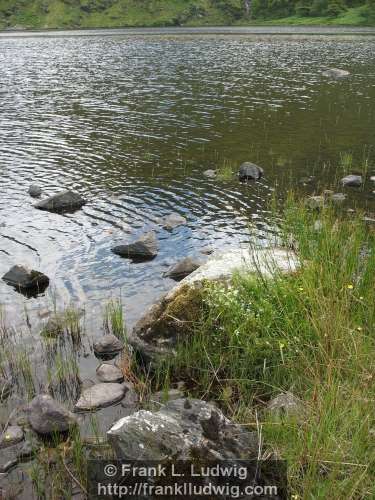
x=116, y=13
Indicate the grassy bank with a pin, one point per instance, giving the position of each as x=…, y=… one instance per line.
x=36, y=14
x=311, y=334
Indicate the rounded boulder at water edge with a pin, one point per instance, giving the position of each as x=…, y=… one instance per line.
x=109, y=373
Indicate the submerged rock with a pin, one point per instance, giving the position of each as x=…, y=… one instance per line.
x=12, y=435
x=172, y=220
x=35, y=191
x=67, y=201
x=210, y=173
x=352, y=181
x=336, y=73
x=179, y=430
x=108, y=344
x=23, y=279
x=100, y=395
x=182, y=269
x=47, y=416
x=145, y=248
x=157, y=333
x=109, y=373
x=250, y=171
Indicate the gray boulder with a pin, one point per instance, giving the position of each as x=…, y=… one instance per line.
x=47, y=416
x=286, y=404
x=145, y=248
x=67, y=201
x=12, y=435
x=108, y=344
x=100, y=395
x=210, y=173
x=35, y=191
x=172, y=220
x=352, y=181
x=336, y=73
x=250, y=171
x=109, y=373
x=182, y=269
x=23, y=278
x=181, y=429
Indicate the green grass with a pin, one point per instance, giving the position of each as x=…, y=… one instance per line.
x=311, y=333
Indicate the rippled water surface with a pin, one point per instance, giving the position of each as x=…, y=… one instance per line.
x=132, y=121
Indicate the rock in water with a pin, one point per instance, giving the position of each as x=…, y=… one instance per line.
x=211, y=174
x=182, y=269
x=35, y=191
x=352, y=181
x=179, y=430
x=47, y=416
x=100, y=395
x=145, y=248
x=108, y=344
x=67, y=201
x=23, y=278
x=109, y=373
x=173, y=220
x=250, y=171
x=336, y=73
x=13, y=435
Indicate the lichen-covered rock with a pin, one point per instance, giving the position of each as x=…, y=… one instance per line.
x=47, y=416
x=179, y=430
x=67, y=201
x=157, y=333
x=145, y=248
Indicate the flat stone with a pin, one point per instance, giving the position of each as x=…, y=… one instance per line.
x=181, y=429
x=23, y=278
x=352, y=181
x=108, y=344
x=145, y=248
x=172, y=220
x=182, y=269
x=47, y=416
x=67, y=201
x=109, y=373
x=100, y=396
x=336, y=73
x=35, y=191
x=250, y=171
x=12, y=435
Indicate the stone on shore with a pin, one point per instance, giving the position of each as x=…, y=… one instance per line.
x=23, y=278
x=12, y=435
x=47, y=416
x=315, y=202
x=336, y=73
x=109, y=373
x=352, y=181
x=100, y=396
x=157, y=333
x=35, y=191
x=145, y=248
x=210, y=173
x=67, y=201
x=182, y=269
x=172, y=220
x=250, y=171
x=108, y=345
x=179, y=430
x=286, y=404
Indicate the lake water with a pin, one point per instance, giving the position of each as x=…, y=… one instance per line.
x=131, y=119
